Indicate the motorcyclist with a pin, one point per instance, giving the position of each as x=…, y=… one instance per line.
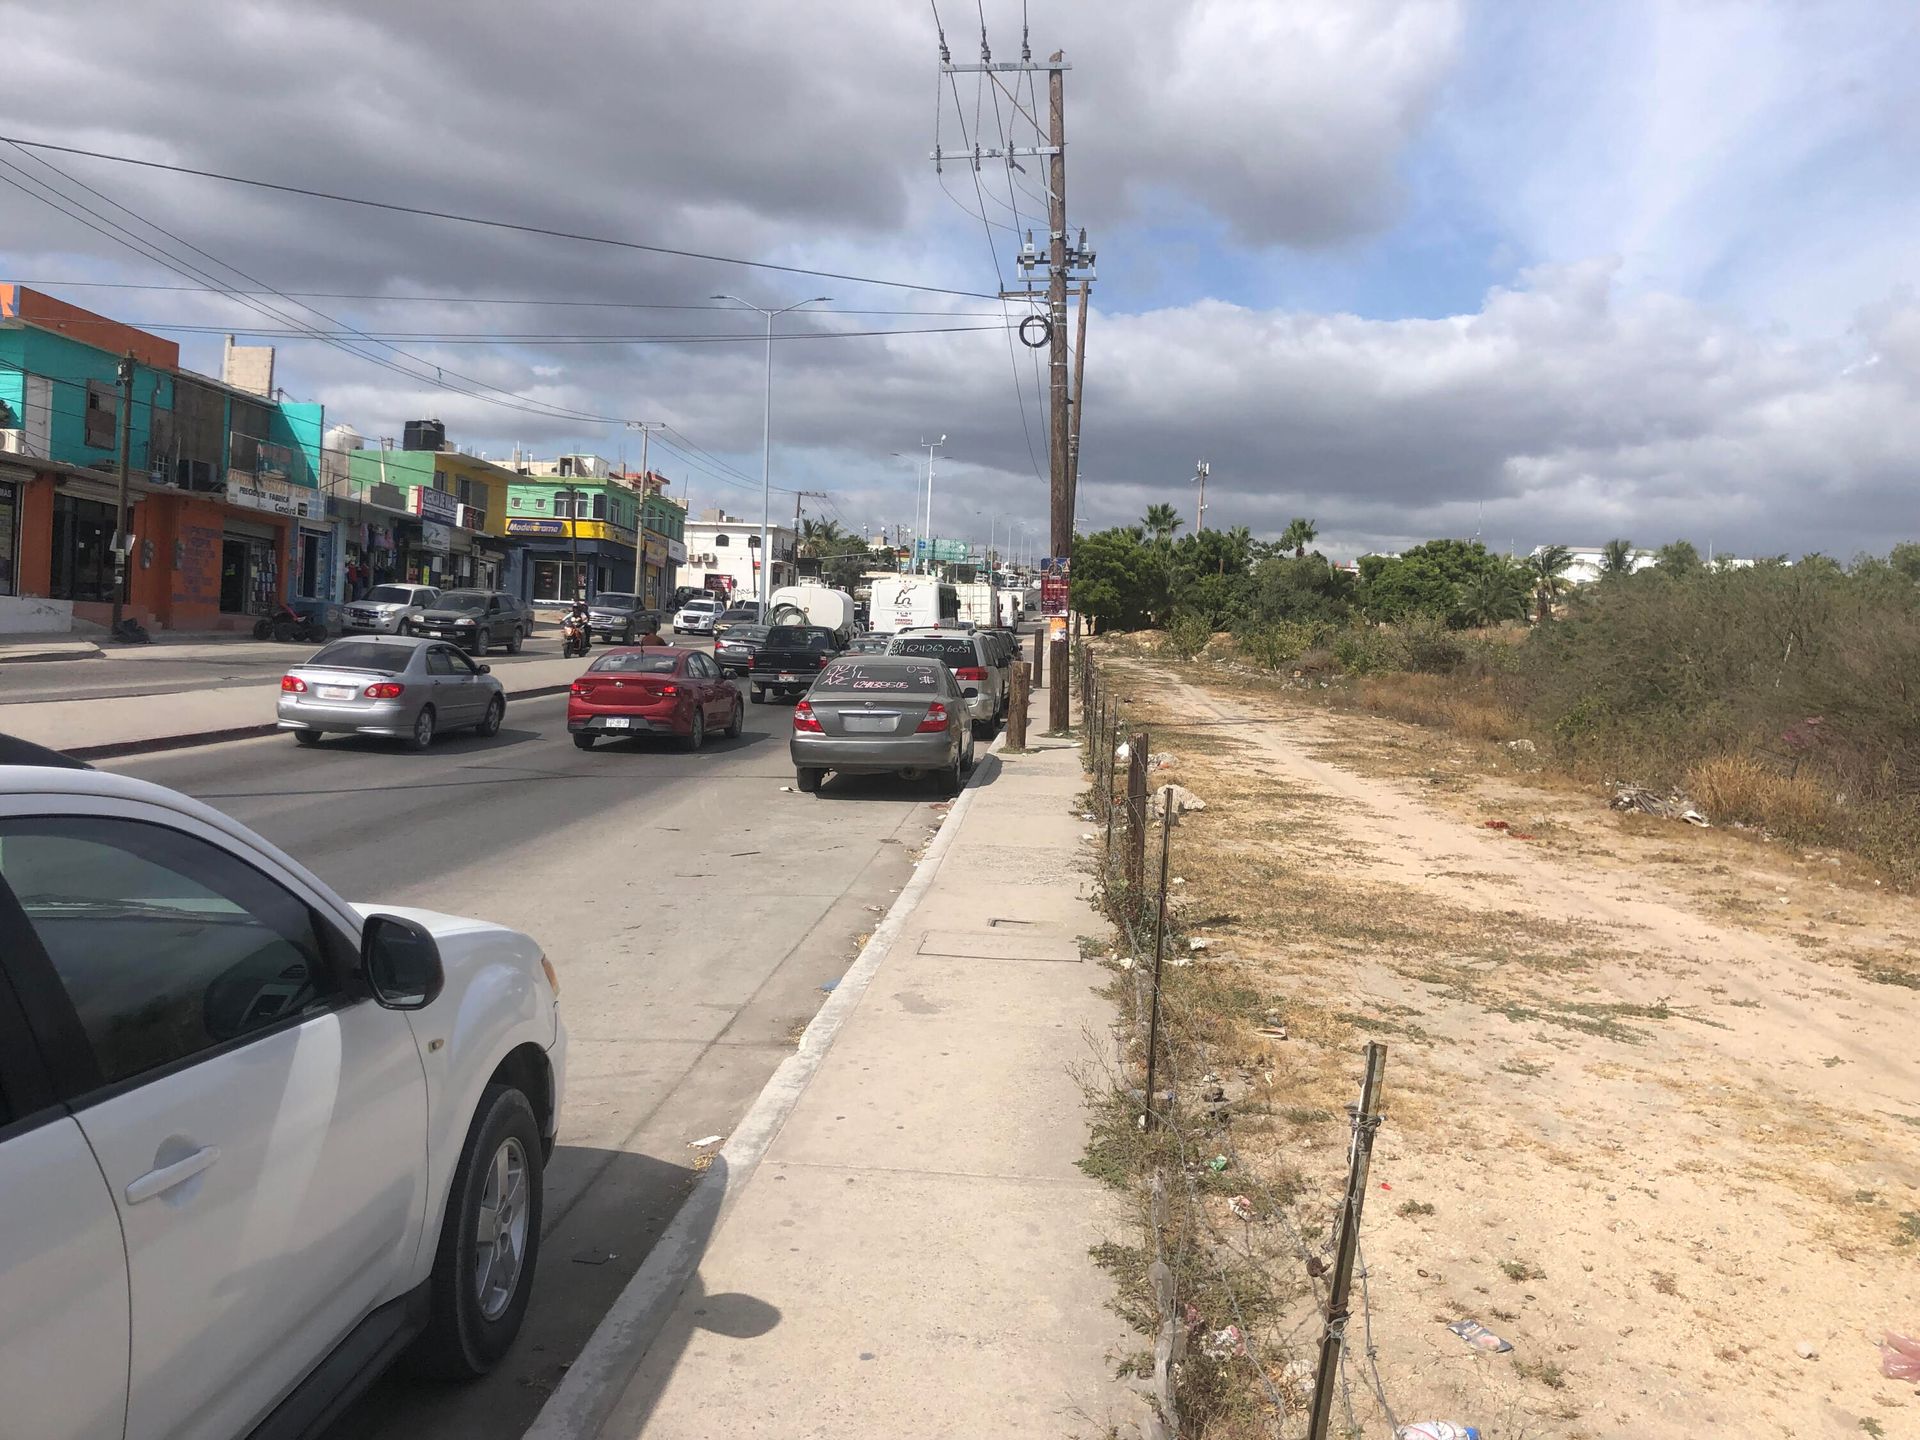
x=580, y=619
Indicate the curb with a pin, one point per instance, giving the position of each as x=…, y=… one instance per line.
x=585, y=1399
x=114, y=749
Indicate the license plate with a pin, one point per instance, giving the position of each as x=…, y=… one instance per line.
x=336, y=692
x=437, y=634
x=617, y=722
x=786, y=675
x=867, y=724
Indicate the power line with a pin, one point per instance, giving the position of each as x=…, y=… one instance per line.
x=233, y=291
x=459, y=337
x=490, y=223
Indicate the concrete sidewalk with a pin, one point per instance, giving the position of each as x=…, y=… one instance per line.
x=98, y=726
x=910, y=1255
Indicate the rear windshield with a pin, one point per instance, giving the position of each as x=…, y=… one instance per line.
x=954, y=652
x=745, y=632
x=393, y=595
x=870, y=675
x=741, y=612
x=636, y=662
x=792, y=637
x=363, y=655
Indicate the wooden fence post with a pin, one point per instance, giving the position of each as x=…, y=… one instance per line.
x=1017, y=708
x=1060, y=694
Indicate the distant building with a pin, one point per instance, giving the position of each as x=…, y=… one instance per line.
x=1585, y=567
x=723, y=553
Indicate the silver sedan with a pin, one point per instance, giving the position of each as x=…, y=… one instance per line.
x=398, y=686
x=878, y=714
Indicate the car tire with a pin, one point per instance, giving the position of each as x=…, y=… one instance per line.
x=696, y=736
x=969, y=759
x=476, y=1309
x=514, y=642
x=582, y=740
x=489, y=725
x=422, y=736
x=952, y=779
x=483, y=642
x=307, y=737
x=738, y=722
x=263, y=628
x=759, y=696
x=807, y=778
x=628, y=634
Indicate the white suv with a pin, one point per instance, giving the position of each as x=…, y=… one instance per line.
x=253, y=1140
x=973, y=659
x=696, y=617
x=388, y=609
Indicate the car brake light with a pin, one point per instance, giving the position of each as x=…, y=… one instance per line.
x=578, y=688
x=935, y=722
x=292, y=684
x=385, y=690
x=803, y=719
x=970, y=672
x=669, y=690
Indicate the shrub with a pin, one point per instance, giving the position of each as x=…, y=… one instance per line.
x=1365, y=650
x=1187, y=636
x=1430, y=646
x=1747, y=789
x=1277, y=643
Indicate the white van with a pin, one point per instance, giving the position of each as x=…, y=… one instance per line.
x=1012, y=607
x=976, y=604
x=910, y=602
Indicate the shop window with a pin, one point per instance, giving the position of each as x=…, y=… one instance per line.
x=82, y=550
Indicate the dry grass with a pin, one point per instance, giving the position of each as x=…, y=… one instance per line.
x=1746, y=790
x=1440, y=701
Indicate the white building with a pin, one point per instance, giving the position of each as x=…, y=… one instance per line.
x=723, y=545
x=1585, y=567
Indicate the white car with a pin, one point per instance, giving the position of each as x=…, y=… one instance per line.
x=254, y=1140
x=388, y=609
x=696, y=617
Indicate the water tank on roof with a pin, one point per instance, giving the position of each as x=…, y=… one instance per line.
x=344, y=437
x=423, y=435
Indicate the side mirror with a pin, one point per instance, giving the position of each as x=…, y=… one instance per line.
x=401, y=963
x=484, y=669
x=970, y=693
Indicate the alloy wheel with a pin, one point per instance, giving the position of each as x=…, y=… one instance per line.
x=500, y=1230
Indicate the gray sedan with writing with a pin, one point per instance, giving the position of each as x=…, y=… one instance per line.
x=883, y=714
x=393, y=686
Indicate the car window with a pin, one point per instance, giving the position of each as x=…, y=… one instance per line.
x=459, y=664
x=439, y=661
x=881, y=676
x=361, y=655
x=795, y=637
x=635, y=662
x=391, y=595
x=165, y=945
x=954, y=652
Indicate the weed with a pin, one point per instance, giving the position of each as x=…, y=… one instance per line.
x=1886, y=974
x=1520, y=1270
x=1412, y=1208
x=1665, y=1284
x=1523, y=1067
x=1547, y=1372
x=1908, y=1230
x=1305, y=1115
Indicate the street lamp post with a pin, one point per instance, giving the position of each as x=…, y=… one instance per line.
x=931, y=446
x=766, y=444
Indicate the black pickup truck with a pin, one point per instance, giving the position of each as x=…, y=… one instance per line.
x=789, y=659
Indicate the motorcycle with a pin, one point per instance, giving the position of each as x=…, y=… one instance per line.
x=575, y=638
x=287, y=623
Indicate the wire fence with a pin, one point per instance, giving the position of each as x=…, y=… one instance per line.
x=1245, y=1261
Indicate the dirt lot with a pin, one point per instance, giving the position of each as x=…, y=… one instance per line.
x=1652, y=1091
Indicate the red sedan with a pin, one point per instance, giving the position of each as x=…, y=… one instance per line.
x=653, y=690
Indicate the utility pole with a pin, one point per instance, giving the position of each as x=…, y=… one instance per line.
x=120, y=505
x=798, y=496
x=1079, y=387
x=1059, y=258
x=1200, y=472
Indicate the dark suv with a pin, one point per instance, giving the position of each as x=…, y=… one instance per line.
x=476, y=620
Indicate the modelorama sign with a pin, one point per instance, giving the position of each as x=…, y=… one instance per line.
x=274, y=496
x=586, y=529
x=519, y=525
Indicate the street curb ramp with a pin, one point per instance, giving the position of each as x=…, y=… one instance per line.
x=587, y=1397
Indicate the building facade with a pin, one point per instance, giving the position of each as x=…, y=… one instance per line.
x=663, y=541
x=222, y=485
x=427, y=517
x=723, y=554
x=581, y=534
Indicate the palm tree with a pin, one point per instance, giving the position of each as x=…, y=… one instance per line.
x=1545, y=569
x=818, y=536
x=1298, y=535
x=1617, y=558
x=1161, y=521
x=1494, y=595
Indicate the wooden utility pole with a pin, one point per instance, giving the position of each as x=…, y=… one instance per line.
x=1079, y=388
x=1017, y=709
x=1060, y=427
x=1366, y=1120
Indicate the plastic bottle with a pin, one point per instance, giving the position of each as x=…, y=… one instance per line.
x=1436, y=1430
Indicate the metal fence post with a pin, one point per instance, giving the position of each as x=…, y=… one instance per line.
x=1159, y=957
x=1366, y=1120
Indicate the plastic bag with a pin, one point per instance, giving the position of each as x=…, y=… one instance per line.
x=1900, y=1357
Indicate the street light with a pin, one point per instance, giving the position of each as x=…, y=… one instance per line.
x=931, y=446
x=573, y=531
x=766, y=445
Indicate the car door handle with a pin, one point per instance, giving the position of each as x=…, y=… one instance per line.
x=158, y=1182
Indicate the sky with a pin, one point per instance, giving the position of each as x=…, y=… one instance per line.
x=1544, y=272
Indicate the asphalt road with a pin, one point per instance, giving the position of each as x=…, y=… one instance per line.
x=693, y=910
